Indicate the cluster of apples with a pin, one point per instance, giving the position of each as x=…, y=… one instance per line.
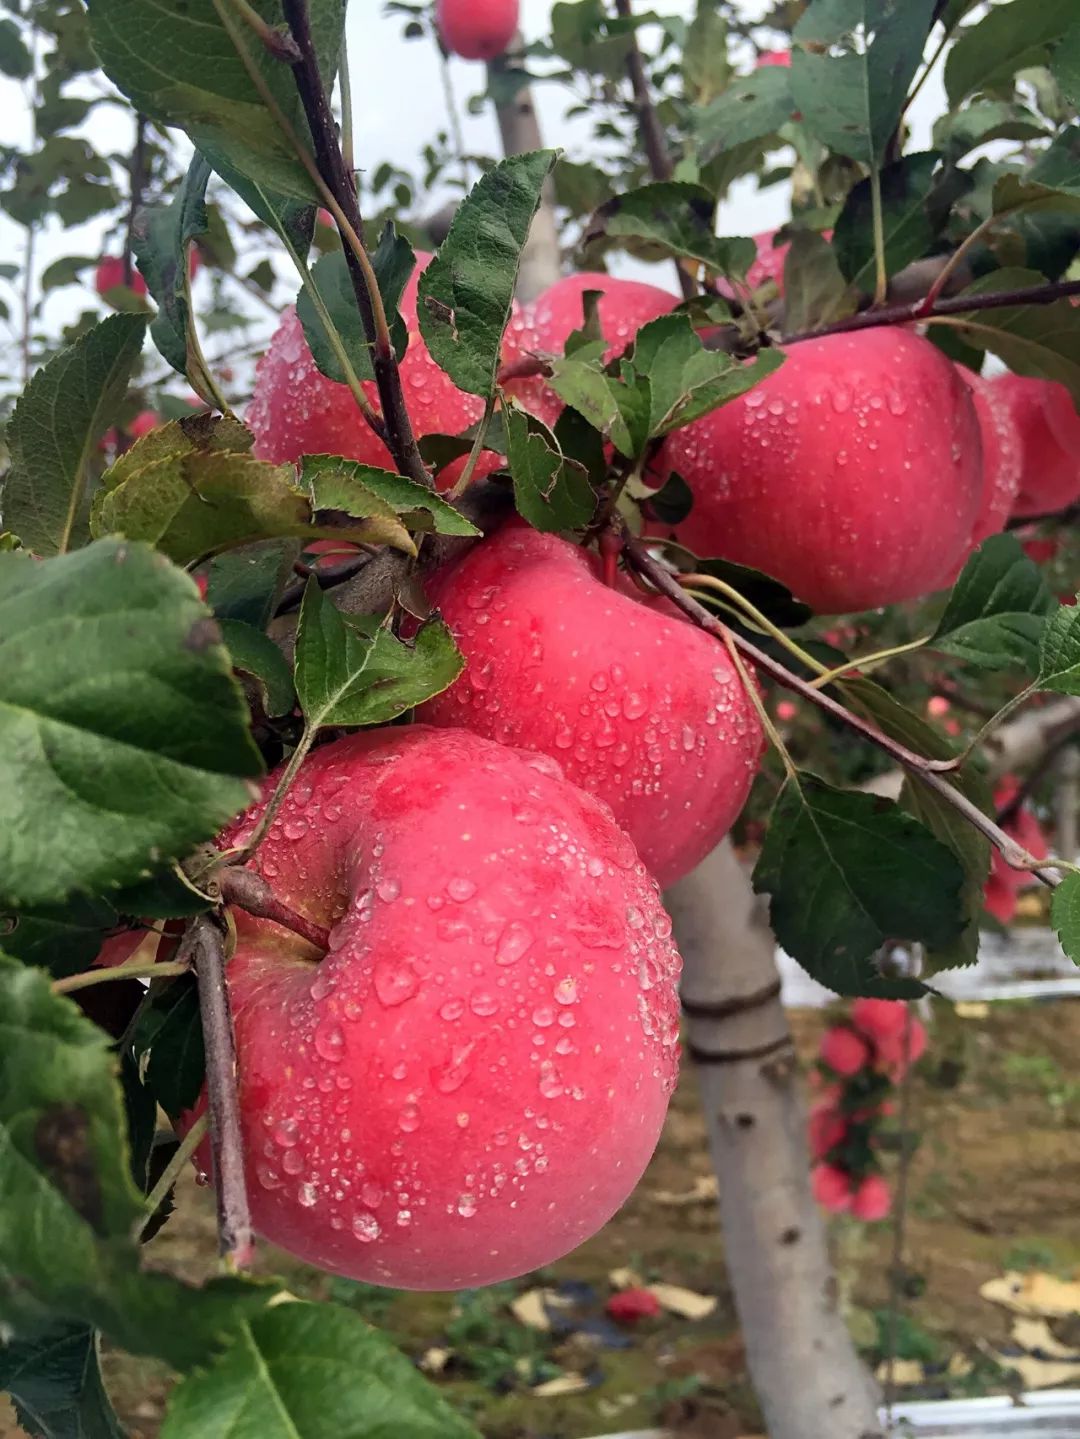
x=858, y=1065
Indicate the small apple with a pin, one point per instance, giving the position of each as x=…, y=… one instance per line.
x=297, y=411
x=1002, y=454
x=879, y=1018
x=544, y=327
x=1049, y=429
x=473, y=1078
x=853, y=473
x=827, y=1129
x=871, y=1200
x=109, y=275
x=637, y=705
x=832, y=1187
x=844, y=1051
x=476, y=29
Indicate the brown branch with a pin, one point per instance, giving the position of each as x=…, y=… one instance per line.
x=137, y=171
x=250, y=892
x=944, y=306
x=400, y=439
x=204, y=942
x=925, y=770
x=653, y=140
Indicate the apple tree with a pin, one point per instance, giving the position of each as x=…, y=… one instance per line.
x=346, y=744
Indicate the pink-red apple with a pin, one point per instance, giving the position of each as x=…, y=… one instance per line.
x=844, y=1051
x=871, y=1200
x=476, y=29
x=637, y=705
x=1002, y=454
x=297, y=411
x=1049, y=429
x=544, y=327
x=109, y=275
x=472, y=1079
x=853, y=473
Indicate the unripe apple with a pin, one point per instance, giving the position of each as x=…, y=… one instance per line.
x=476, y=29
x=109, y=275
x=297, y=411
x=624, y=306
x=1049, y=429
x=638, y=706
x=844, y=1051
x=1002, y=454
x=472, y=1079
x=853, y=473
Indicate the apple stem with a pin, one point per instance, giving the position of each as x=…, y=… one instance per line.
x=204, y=942
x=343, y=203
x=927, y=771
x=610, y=545
x=250, y=892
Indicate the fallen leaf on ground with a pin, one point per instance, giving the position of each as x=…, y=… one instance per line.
x=1035, y=1334
x=705, y=1190
x=684, y=1302
x=1036, y=1294
x=434, y=1361
x=625, y=1279
x=1039, y=1373
x=904, y=1372
x=564, y=1384
x=971, y=1009
x=530, y=1309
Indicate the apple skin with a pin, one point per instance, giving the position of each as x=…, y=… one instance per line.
x=297, y=411
x=473, y=1079
x=636, y=704
x=109, y=275
x=476, y=29
x=545, y=325
x=1049, y=429
x=1002, y=454
x=853, y=473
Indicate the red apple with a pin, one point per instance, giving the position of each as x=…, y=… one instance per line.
x=143, y=423
x=471, y=1081
x=895, y=1052
x=1002, y=453
x=871, y=1200
x=297, y=411
x=476, y=29
x=832, y=1187
x=853, y=474
x=879, y=1018
x=773, y=57
x=827, y=1129
x=844, y=1051
x=1049, y=429
x=544, y=327
x=1005, y=883
x=109, y=275
x=637, y=705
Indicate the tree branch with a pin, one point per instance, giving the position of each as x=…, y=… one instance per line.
x=250, y=892
x=400, y=439
x=204, y=942
x=137, y=171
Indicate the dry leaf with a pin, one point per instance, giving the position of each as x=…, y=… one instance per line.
x=959, y=1366
x=1039, y=1373
x=565, y=1384
x=904, y=1371
x=705, y=1190
x=684, y=1302
x=971, y=1009
x=625, y=1279
x=1035, y=1294
x=530, y=1309
x=1035, y=1334
x=434, y=1361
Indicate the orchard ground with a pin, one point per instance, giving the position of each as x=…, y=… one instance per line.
x=995, y=1186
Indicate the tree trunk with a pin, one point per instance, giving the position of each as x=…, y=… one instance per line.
x=808, y=1378
x=520, y=132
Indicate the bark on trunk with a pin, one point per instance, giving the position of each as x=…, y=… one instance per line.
x=808, y=1378
x=520, y=132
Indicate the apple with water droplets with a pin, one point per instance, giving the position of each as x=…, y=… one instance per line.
x=639, y=706
x=1049, y=428
x=473, y=1078
x=297, y=411
x=476, y=29
x=853, y=473
x=1002, y=453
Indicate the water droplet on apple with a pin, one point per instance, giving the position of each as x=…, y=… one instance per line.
x=466, y=1205
x=460, y=889
x=371, y=1194
x=515, y=941
x=329, y=1041
x=365, y=1227
x=395, y=982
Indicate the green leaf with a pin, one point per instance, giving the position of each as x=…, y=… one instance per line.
x=57, y=421
x=1059, y=659
x=849, y=872
x=594, y=395
x=1039, y=340
x=705, y=65
x=685, y=380
x=550, y=491
x=1065, y=915
x=54, y=1378
x=815, y=292
x=15, y=59
x=997, y=609
x=353, y=671
x=68, y=270
x=1051, y=183
x=852, y=101
x=935, y=811
x=679, y=220
x=254, y=653
x=465, y=294
x=1065, y=63
x=772, y=598
x=169, y=1039
x=365, y=490
x=194, y=66
x=959, y=131
x=245, y=584
x=393, y=263
x=162, y=237
x=62, y=938
x=907, y=225
x=752, y=107
x=1009, y=38
x=123, y=737
x=264, y=1385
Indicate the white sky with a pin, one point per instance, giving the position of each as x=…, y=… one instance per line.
x=398, y=107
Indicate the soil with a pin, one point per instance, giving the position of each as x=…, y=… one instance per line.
x=995, y=1185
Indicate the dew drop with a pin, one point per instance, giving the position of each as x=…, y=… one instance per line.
x=329, y=1041
x=460, y=889
x=466, y=1205
x=371, y=1194
x=365, y=1227
x=395, y=982
x=515, y=941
